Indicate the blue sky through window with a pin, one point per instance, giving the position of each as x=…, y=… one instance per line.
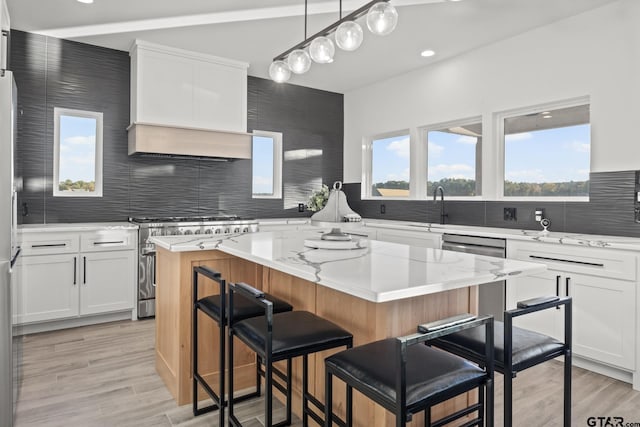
x=262, y=158
x=390, y=159
x=451, y=156
x=77, y=148
x=550, y=155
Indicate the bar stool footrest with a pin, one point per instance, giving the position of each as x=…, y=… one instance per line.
x=459, y=414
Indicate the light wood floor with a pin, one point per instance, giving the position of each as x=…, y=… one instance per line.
x=104, y=375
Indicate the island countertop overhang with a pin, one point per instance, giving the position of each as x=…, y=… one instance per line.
x=379, y=272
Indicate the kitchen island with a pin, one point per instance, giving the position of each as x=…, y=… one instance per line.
x=375, y=291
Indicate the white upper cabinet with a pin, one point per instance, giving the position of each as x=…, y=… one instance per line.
x=174, y=87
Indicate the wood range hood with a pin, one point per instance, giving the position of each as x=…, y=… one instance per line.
x=181, y=141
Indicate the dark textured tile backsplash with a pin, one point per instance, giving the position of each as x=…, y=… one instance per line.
x=52, y=73
x=57, y=73
x=609, y=211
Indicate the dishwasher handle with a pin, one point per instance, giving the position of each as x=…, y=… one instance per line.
x=474, y=249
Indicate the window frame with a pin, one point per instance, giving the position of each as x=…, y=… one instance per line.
x=277, y=164
x=499, y=119
x=367, y=165
x=422, y=166
x=99, y=117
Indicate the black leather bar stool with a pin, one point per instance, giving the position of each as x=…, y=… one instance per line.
x=282, y=336
x=215, y=306
x=517, y=349
x=406, y=378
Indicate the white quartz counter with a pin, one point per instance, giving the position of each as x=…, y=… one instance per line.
x=590, y=240
x=80, y=226
x=379, y=272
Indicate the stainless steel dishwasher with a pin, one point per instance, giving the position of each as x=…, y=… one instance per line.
x=491, y=296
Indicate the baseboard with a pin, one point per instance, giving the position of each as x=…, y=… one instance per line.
x=34, y=328
x=599, y=368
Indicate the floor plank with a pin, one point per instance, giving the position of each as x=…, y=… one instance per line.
x=104, y=375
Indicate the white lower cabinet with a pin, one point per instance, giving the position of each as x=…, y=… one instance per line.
x=106, y=282
x=48, y=288
x=74, y=274
x=604, y=301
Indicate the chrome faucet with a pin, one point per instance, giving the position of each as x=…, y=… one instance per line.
x=435, y=197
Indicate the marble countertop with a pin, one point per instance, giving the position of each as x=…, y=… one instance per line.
x=378, y=272
x=81, y=226
x=590, y=240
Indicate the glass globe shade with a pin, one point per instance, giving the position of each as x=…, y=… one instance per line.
x=382, y=18
x=299, y=61
x=349, y=35
x=279, y=71
x=322, y=50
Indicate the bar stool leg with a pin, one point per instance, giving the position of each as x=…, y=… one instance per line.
x=289, y=392
x=221, y=368
x=349, y=405
x=230, y=359
x=427, y=417
x=328, y=404
x=567, y=388
x=481, y=402
x=508, y=398
x=194, y=340
x=268, y=384
x=305, y=390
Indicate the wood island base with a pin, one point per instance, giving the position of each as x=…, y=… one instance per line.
x=366, y=320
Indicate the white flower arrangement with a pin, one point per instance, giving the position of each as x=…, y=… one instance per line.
x=318, y=199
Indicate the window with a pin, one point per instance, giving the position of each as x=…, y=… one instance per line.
x=454, y=158
x=547, y=153
x=77, y=166
x=389, y=166
x=266, y=162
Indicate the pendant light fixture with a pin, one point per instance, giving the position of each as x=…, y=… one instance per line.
x=382, y=19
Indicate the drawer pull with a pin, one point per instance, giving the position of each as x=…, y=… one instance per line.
x=566, y=284
x=50, y=245
x=558, y=289
x=119, y=242
x=570, y=261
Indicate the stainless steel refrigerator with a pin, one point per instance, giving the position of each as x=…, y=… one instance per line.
x=10, y=339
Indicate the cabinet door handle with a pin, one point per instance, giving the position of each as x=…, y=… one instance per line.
x=558, y=289
x=84, y=270
x=75, y=270
x=566, y=285
x=570, y=261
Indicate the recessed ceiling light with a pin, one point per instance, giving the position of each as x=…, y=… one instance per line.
x=85, y=1
x=544, y=113
x=547, y=116
x=427, y=53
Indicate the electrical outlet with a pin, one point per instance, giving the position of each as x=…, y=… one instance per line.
x=510, y=214
x=300, y=207
x=539, y=214
x=383, y=209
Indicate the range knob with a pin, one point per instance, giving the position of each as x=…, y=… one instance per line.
x=226, y=231
x=208, y=231
x=197, y=231
x=217, y=231
x=236, y=230
x=245, y=230
x=188, y=232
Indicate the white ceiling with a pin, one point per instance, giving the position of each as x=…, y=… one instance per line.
x=255, y=31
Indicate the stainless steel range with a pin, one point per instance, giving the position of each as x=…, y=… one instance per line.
x=175, y=226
